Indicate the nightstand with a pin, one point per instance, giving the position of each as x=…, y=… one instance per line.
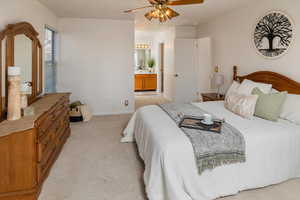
x=212, y=97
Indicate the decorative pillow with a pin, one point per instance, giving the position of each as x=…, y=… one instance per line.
x=247, y=87
x=291, y=109
x=269, y=106
x=242, y=105
x=233, y=88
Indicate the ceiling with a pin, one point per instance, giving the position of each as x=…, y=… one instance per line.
x=113, y=9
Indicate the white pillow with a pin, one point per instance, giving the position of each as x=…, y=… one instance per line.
x=273, y=91
x=242, y=105
x=291, y=109
x=247, y=86
x=233, y=88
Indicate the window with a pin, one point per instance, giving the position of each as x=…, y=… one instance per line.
x=50, y=60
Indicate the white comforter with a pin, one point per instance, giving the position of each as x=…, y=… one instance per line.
x=272, y=150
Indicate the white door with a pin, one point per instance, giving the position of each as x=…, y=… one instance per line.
x=186, y=79
x=204, y=64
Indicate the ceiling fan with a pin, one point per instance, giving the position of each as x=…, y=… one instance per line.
x=161, y=10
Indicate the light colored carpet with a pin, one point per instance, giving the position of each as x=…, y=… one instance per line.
x=94, y=165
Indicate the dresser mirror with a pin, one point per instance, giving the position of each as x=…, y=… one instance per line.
x=21, y=47
x=23, y=59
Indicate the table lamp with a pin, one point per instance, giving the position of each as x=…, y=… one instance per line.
x=218, y=80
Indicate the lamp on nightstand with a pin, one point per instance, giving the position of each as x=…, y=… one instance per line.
x=218, y=80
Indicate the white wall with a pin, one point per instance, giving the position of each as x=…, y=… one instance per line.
x=232, y=42
x=204, y=61
x=32, y=11
x=97, y=63
x=186, y=32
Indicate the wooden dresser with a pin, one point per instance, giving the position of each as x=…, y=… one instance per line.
x=30, y=146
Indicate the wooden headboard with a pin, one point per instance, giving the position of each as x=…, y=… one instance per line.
x=279, y=82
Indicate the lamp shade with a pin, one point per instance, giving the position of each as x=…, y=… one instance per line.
x=218, y=79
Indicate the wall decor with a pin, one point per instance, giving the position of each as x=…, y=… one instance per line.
x=273, y=34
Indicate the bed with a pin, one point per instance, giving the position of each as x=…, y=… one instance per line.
x=272, y=151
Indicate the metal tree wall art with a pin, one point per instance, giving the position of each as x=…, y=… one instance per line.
x=273, y=34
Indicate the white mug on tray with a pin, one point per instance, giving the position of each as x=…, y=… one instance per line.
x=208, y=119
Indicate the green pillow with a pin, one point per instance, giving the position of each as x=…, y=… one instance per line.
x=269, y=106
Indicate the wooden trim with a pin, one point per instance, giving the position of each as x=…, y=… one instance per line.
x=1, y=68
x=279, y=82
x=22, y=28
x=162, y=66
x=34, y=71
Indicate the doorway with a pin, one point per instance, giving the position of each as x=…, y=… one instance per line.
x=149, y=68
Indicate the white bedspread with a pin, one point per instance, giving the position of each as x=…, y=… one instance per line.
x=272, y=150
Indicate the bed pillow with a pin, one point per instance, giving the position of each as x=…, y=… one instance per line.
x=233, y=88
x=274, y=90
x=269, y=106
x=247, y=87
x=242, y=105
x=291, y=109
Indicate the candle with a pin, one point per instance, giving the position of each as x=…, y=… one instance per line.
x=14, y=93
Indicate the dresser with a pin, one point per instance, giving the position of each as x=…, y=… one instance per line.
x=30, y=146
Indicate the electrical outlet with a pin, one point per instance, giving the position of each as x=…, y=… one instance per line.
x=126, y=103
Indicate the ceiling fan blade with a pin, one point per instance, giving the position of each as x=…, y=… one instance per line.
x=132, y=10
x=184, y=2
x=153, y=2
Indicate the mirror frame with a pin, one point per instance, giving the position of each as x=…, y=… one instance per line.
x=11, y=31
x=2, y=36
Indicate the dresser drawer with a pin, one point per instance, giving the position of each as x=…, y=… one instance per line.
x=47, y=143
x=52, y=116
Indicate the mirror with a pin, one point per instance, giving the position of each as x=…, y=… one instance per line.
x=141, y=58
x=23, y=59
x=20, y=46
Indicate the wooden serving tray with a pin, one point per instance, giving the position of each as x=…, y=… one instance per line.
x=192, y=122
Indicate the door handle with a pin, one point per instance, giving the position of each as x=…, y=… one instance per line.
x=176, y=75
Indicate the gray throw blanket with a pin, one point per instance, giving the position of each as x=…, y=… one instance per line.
x=211, y=149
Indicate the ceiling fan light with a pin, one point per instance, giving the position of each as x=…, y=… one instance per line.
x=149, y=16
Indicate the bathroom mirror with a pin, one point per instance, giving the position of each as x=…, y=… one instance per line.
x=141, y=58
x=23, y=59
